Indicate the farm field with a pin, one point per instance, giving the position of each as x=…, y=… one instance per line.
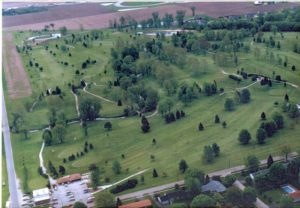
x=174, y=141
x=88, y=17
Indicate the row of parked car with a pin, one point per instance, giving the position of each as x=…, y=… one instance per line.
x=27, y=201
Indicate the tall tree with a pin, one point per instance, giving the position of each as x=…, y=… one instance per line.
x=47, y=137
x=217, y=119
x=245, y=96
x=180, y=17
x=270, y=161
x=203, y=201
x=252, y=163
x=194, y=179
x=104, y=199
x=216, y=149
x=200, y=127
x=286, y=149
x=154, y=173
x=263, y=116
x=59, y=133
x=193, y=8
x=244, y=137
x=95, y=178
x=116, y=167
x=89, y=109
x=183, y=166
x=261, y=135
x=145, y=125
x=229, y=104
x=208, y=154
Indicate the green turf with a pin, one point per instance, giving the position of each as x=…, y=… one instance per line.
x=175, y=141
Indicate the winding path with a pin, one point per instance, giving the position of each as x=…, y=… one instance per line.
x=98, y=96
x=76, y=102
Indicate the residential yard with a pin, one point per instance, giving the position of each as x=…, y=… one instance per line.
x=175, y=141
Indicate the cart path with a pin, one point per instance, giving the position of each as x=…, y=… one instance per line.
x=76, y=103
x=98, y=96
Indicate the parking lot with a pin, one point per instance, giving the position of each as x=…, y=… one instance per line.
x=68, y=194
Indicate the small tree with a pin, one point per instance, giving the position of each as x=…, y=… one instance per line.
x=116, y=167
x=208, y=154
x=286, y=150
x=245, y=96
x=61, y=170
x=216, y=149
x=200, y=127
x=153, y=141
x=154, y=173
x=261, y=135
x=270, y=161
x=224, y=124
x=104, y=199
x=278, y=119
x=79, y=205
x=229, y=104
x=145, y=125
x=286, y=98
x=263, y=116
x=293, y=68
x=293, y=111
x=286, y=202
x=95, y=177
x=108, y=125
x=203, y=201
x=182, y=166
x=252, y=163
x=249, y=196
x=244, y=137
x=217, y=119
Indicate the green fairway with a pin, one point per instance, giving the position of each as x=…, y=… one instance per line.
x=175, y=141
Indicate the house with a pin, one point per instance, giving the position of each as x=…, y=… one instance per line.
x=41, y=196
x=56, y=35
x=69, y=179
x=140, y=204
x=179, y=195
x=295, y=196
x=213, y=187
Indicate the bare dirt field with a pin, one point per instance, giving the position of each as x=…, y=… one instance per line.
x=57, y=12
x=16, y=78
x=92, y=21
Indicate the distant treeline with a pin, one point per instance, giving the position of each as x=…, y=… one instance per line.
x=26, y=10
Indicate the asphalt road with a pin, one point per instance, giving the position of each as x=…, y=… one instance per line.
x=15, y=194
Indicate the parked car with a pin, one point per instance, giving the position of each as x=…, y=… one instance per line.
x=73, y=199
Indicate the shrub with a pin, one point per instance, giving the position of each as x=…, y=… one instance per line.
x=131, y=183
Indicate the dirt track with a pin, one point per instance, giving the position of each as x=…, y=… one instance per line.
x=16, y=78
x=92, y=21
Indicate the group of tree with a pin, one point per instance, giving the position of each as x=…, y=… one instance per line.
x=89, y=109
x=95, y=176
x=171, y=117
x=210, y=152
x=129, y=184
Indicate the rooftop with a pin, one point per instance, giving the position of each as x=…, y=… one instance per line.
x=69, y=178
x=41, y=194
x=213, y=186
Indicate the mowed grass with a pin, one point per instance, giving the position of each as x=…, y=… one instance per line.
x=176, y=141
x=26, y=152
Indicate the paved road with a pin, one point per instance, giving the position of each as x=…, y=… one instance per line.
x=15, y=194
x=222, y=173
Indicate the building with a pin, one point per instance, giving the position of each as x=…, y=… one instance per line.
x=179, y=195
x=295, y=196
x=69, y=179
x=41, y=196
x=140, y=204
x=213, y=187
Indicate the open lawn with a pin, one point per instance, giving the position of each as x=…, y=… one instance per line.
x=175, y=141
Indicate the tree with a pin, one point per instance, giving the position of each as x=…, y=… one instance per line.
x=180, y=17
x=47, y=137
x=229, y=180
x=286, y=202
x=278, y=119
x=145, y=125
x=61, y=170
x=59, y=132
x=270, y=161
x=286, y=150
x=183, y=166
x=208, y=154
x=200, y=127
x=63, y=30
x=261, y=135
x=104, y=199
x=193, y=8
x=95, y=177
x=252, y=163
x=108, y=125
x=224, y=124
x=194, y=179
x=293, y=68
x=229, y=104
x=154, y=173
x=277, y=174
x=244, y=137
x=263, y=116
x=286, y=98
x=79, y=205
x=89, y=109
x=245, y=96
x=52, y=169
x=203, y=201
x=234, y=196
x=249, y=196
x=217, y=119
x=85, y=129
x=116, y=167
x=216, y=149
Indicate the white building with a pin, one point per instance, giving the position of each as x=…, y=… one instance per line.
x=41, y=196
